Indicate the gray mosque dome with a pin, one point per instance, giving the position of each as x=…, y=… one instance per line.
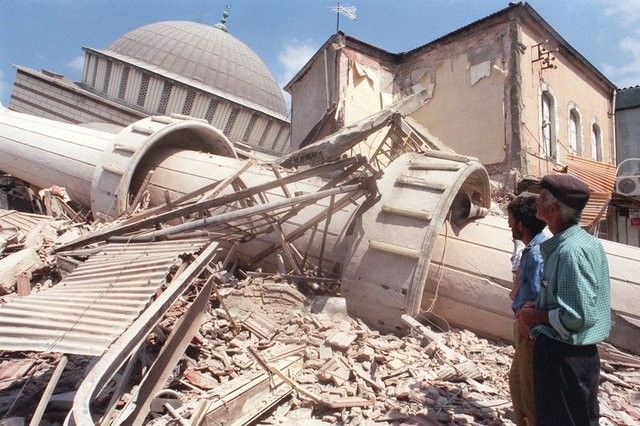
x=204, y=56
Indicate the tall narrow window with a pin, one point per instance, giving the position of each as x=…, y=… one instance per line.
x=265, y=133
x=231, y=121
x=548, y=142
x=123, y=83
x=188, y=102
x=596, y=143
x=144, y=86
x=211, y=110
x=575, y=140
x=94, y=75
x=107, y=77
x=164, y=97
x=249, y=129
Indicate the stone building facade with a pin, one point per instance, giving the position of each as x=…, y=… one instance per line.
x=506, y=89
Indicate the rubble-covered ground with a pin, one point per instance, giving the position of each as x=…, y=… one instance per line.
x=333, y=359
x=269, y=352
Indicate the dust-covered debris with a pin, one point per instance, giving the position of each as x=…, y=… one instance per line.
x=267, y=353
x=270, y=352
x=367, y=377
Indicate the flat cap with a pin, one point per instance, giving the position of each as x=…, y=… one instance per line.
x=569, y=190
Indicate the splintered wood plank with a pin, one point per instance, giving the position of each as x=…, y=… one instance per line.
x=284, y=351
x=346, y=402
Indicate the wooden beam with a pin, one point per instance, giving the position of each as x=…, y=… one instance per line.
x=138, y=197
x=302, y=229
x=244, y=399
x=51, y=386
x=183, y=331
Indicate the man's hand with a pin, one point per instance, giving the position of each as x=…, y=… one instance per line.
x=528, y=317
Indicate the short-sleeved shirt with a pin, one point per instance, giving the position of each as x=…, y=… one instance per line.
x=530, y=272
x=575, y=288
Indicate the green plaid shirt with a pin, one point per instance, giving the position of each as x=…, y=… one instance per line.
x=575, y=288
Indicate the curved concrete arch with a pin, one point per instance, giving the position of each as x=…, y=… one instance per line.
x=387, y=264
x=118, y=165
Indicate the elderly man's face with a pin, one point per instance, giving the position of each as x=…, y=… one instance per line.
x=541, y=210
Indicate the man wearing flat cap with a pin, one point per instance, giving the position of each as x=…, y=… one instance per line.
x=573, y=311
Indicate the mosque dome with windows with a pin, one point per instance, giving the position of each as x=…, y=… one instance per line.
x=205, y=57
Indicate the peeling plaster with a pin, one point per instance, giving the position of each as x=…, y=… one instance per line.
x=480, y=71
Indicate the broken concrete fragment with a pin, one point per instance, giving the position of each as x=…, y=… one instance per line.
x=202, y=381
x=325, y=352
x=336, y=370
x=341, y=339
x=16, y=263
x=395, y=365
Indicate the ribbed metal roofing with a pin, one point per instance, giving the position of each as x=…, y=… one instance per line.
x=601, y=179
x=205, y=55
x=19, y=220
x=92, y=306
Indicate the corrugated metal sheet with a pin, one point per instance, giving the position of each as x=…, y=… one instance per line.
x=601, y=179
x=19, y=220
x=599, y=176
x=90, y=308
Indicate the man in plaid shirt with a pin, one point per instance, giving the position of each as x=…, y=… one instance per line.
x=573, y=311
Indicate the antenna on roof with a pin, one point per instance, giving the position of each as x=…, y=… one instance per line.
x=348, y=11
x=222, y=25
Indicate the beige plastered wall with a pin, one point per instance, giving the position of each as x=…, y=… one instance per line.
x=367, y=89
x=572, y=86
x=309, y=96
x=467, y=111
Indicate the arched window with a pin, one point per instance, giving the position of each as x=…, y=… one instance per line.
x=548, y=125
x=596, y=142
x=575, y=135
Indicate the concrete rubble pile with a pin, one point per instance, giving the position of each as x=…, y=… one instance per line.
x=269, y=352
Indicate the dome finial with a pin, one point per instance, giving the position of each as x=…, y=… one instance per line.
x=222, y=25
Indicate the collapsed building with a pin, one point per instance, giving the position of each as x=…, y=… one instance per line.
x=377, y=210
x=507, y=89
x=392, y=230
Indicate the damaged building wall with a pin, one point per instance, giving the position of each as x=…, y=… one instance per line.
x=575, y=95
x=314, y=95
x=369, y=88
x=344, y=82
x=467, y=109
x=485, y=88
